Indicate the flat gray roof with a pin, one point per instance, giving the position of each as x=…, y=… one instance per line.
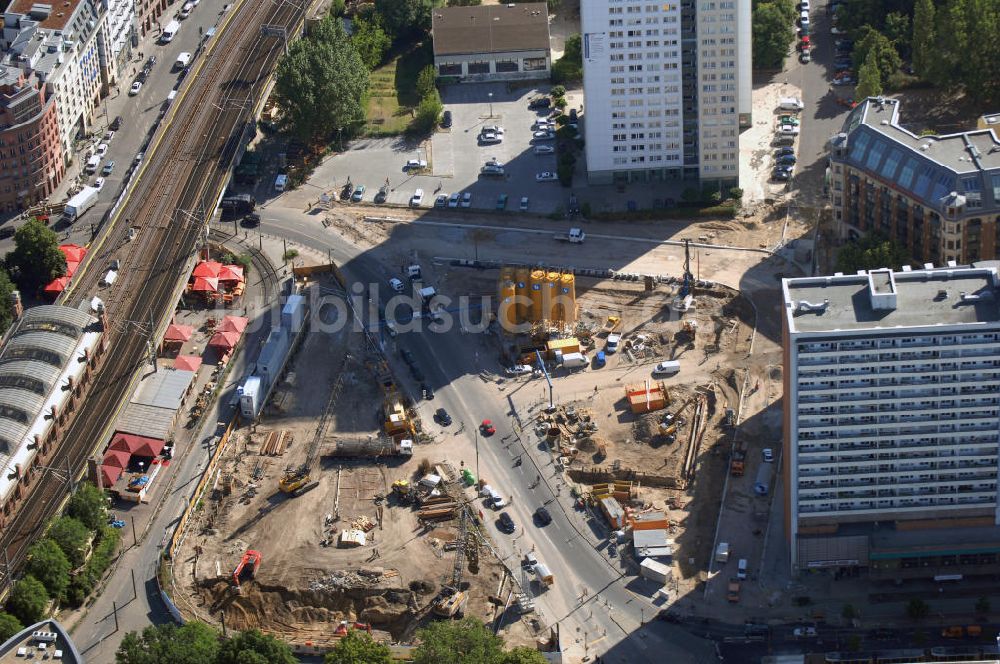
x=490, y=29
x=949, y=296
x=164, y=389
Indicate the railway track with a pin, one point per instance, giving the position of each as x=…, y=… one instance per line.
x=169, y=208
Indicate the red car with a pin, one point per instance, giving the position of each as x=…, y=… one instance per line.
x=487, y=428
x=804, y=45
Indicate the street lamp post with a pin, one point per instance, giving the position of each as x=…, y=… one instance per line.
x=491, y=106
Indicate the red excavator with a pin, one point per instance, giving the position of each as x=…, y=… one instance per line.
x=346, y=626
x=248, y=566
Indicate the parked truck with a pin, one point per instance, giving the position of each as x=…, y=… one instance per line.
x=722, y=552
x=574, y=360
x=762, y=483
x=544, y=576
x=612, y=343
x=575, y=236
x=733, y=591
x=738, y=464
x=80, y=203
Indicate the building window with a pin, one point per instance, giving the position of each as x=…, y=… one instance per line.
x=506, y=66
x=450, y=70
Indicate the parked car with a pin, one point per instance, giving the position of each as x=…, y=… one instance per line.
x=489, y=138
x=453, y=200
x=408, y=357
x=543, y=516
x=543, y=124
x=441, y=201
x=446, y=119
x=442, y=416
x=116, y=124
x=359, y=193
x=788, y=120
x=788, y=130
x=415, y=164
x=250, y=220
x=543, y=135
x=804, y=57
x=786, y=160
x=780, y=152
x=546, y=176
x=108, y=135
x=544, y=149
x=804, y=632
x=505, y=523
x=780, y=174
x=108, y=168
x=524, y=204
x=804, y=44
x=539, y=102
x=486, y=428
x=102, y=149
x=844, y=80
x=426, y=391
x=768, y=455
x=492, y=129
x=417, y=199
x=837, y=31
x=396, y=284
x=518, y=370
x=134, y=90
x=99, y=184
x=467, y=199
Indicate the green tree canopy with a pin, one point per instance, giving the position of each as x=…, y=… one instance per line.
x=871, y=252
x=897, y=30
x=917, y=609
x=404, y=19
x=979, y=61
x=923, y=38
x=6, y=288
x=9, y=626
x=358, y=648
x=321, y=82
x=428, y=112
x=569, y=68
x=72, y=537
x=28, y=600
x=854, y=15
x=48, y=564
x=370, y=40
x=89, y=505
x=467, y=641
x=426, y=81
x=869, y=79
x=876, y=45
x=252, y=646
x=772, y=33
x=36, y=259
x=192, y=643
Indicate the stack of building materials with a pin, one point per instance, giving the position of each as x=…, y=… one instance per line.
x=437, y=508
x=646, y=397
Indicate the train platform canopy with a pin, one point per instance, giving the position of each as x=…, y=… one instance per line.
x=45, y=353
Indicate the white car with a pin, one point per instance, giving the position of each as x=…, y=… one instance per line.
x=837, y=31
x=524, y=204
x=417, y=199
x=415, y=164
x=546, y=176
x=788, y=130
x=441, y=200
x=804, y=632
x=102, y=149
x=490, y=138
x=518, y=370
x=543, y=125
x=453, y=201
x=108, y=135
x=139, y=157
x=846, y=80
x=467, y=199
x=544, y=149
x=492, y=129
x=543, y=135
x=99, y=184
x=134, y=90
x=768, y=455
x=396, y=284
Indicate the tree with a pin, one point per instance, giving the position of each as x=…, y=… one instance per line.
x=772, y=33
x=321, y=82
x=875, y=44
x=9, y=626
x=36, y=259
x=28, y=600
x=979, y=66
x=849, y=613
x=89, y=505
x=466, y=641
x=370, y=40
x=917, y=609
x=192, y=643
x=897, y=30
x=48, y=564
x=854, y=15
x=358, y=648
x=72, y=537
x=983, y=606
x=252, y=646
x=405, y=18
x=426, y=81
x=428, y=111
x=569, y=68
x=6, y=288
x=869, y=80
x=871, y=252
x=923, y=38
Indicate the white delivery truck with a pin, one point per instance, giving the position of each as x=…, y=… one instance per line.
x=93, y=163
x=612, y=344
x=169, y=32
x=80, y=203
x=183, y=60
x=575, y=236
x=574, y=360
x=722, y=552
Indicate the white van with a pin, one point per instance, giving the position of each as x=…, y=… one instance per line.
x=183, y=60
x=93, y=164
x=417, y=199
x=791, y=104
x=169, y=32
x=280, y=182
x=741, y=569
x=109, y=278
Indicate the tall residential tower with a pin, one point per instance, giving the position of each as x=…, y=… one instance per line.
x=666, y=89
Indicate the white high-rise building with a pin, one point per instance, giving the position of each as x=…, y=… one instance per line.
x=666, y=89
x=892, y=422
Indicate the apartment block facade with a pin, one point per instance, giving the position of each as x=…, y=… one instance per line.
x=939, y=196
x=666, y=89
x=892, y=422
x=31, y=163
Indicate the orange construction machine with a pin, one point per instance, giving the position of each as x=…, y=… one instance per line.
x=248, y=566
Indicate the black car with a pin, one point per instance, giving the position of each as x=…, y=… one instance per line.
x=407, y=357
x=442, y=416
x=150, y=62
x=779, y=174
x=426, y=390
x=543, y=516
x=572, y=115
x=539, y=102
x=446, y=119
x=116, y=124
x=251, y=220
x=505, y=523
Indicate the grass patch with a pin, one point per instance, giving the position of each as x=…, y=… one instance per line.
x=392, y=93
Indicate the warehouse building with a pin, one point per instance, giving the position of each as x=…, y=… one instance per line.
x=890, y=421
x=492, y=42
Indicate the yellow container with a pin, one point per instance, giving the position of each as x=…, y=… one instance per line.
x=564, y=308
x=507, y=311
x=522, y=290
x=537, y=295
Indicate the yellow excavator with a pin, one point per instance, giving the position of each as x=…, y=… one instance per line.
x=296, y=482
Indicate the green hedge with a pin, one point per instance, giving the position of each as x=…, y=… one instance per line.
x=87, y=578
x=725, y=210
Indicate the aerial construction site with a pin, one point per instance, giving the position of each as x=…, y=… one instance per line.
x=349, y=503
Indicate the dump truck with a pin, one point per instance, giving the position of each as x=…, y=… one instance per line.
x=80, y=203
x=575, y=236
x=733, y=591
x=611, y=325
x=738, y=464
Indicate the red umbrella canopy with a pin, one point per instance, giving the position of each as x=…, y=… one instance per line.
x=187, y=362
x=207, y=269
x=117, y=458
x=205, y=284
x=233, y=324
x=178, y=333
x=225, y=339
x=231, y=273
x=74, y=253
x=57, y=285
x=110, y=474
